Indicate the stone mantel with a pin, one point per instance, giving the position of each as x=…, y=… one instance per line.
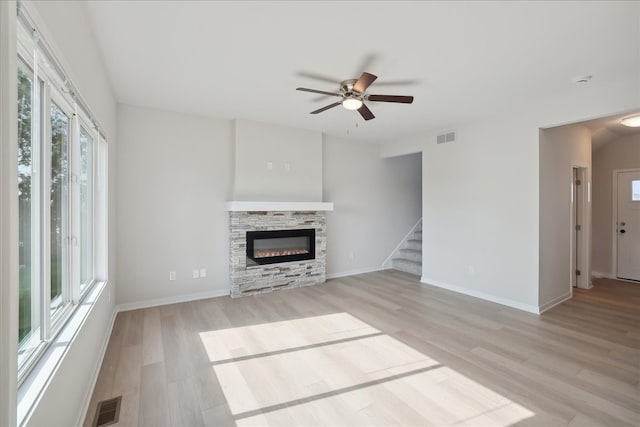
x=248, y=206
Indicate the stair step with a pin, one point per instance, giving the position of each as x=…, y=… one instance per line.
x=408, y=266
x=411, y=254
x=417, y=234
x=413, y=244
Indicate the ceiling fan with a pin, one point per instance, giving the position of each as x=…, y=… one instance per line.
x=353, y=94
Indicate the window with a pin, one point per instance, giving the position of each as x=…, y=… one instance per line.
x=86, y=183
x=28, y=307
x=59, y=211
x=635, y=190
x=61, y=199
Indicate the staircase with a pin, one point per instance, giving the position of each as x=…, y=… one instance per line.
x=408, y=257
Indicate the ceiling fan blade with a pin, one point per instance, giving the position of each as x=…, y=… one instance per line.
x=391, y=98
x=407, y=82
x=367, y=62
x=304, y=89
x=366, y=113
x=320, y=77
x=364, y=82
x=325, y=108
x=320, y=98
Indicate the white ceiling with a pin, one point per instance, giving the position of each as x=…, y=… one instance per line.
x=608, y=129
x=468, y=60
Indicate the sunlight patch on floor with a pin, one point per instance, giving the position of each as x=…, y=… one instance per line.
x=268, y=337
x=365, y=378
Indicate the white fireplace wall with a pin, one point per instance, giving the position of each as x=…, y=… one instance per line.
x=276, y=163
x=175, y=174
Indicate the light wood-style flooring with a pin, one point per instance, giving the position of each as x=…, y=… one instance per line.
x=377, y=348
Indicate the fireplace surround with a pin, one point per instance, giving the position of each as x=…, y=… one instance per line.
x=248, y=276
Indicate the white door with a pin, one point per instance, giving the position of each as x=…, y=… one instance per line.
x=628, y=225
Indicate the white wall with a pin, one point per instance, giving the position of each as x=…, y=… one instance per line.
x=376, y=200
x=175, y=174
x=560, y=149
x=295, y=156
x=174, y=177
x=480, y=194
x=479, y=212
x=65, y=27
x=622, y=153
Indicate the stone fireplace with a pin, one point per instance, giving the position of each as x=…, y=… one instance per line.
x=280, y=247
x=277, y=219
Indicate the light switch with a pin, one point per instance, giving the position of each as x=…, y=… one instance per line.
x=196, y=274
x=270, y=166
x=172, y=275
x=203, y=272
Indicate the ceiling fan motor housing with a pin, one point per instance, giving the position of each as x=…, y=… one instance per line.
x=346, y=87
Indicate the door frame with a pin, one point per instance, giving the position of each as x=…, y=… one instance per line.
x=614, y=221
x=583, y=249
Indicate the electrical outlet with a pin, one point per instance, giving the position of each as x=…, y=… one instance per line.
x=172, y=275
x=203, y=272
x=196, y=274
x=270, y=166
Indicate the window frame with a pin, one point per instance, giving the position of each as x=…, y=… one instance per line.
x=84, y=123
x=49, y=88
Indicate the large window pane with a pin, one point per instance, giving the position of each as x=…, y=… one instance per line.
x=59, y=206
x=28, y=312
x=85, y=182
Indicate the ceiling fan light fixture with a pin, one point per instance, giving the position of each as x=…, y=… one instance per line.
x=351, y=103
x=631, y=121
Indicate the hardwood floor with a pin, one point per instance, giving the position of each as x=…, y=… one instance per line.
x=377, y=348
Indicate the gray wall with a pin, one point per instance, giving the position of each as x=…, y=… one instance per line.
x=622, y=153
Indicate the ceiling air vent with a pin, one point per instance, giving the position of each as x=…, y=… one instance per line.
x=108, y=412
x=448, y=136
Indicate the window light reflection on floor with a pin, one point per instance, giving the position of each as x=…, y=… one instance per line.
x=335, y=370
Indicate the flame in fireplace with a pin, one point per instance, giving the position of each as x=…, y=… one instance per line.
x=266, y=253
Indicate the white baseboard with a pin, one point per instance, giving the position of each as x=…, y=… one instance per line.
x=558, y=300
x=96, y=370
x=482, y=295
x=601, y=275
x=171, y=300
x=354, y=272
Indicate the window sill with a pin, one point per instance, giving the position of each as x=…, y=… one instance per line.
x=45, y=369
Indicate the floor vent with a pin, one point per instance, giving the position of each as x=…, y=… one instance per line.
x=108, y=412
